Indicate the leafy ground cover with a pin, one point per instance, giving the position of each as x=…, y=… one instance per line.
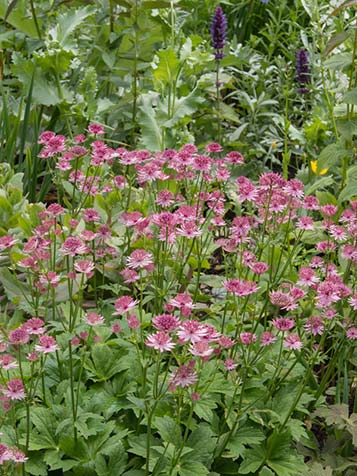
x=178, y=238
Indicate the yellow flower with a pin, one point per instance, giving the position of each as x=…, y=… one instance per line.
x=313, y=164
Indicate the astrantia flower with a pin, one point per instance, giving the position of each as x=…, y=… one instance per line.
x=166, y=322
x=6, y=241
x=74, y=246
x=315, y=325
x=5, y=453
x=93, y=319
x=7, y=362
x=18, y=456
x=240, y=287
x=124, y=304
x=46, y=344
x=218, y=32
x=201, y=349
x=140, y=259
x=230, y=364
x=191, y=331
x=352, y=333
x=160, y=341
x=183, y=377
x=292, y=342
x=247, y=338
x=283, y=324
x=19, y=336
x=14, y=390
x=267, y=338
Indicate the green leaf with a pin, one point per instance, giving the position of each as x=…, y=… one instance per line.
x=289, y=465
x=192, y=468
x=348, y=192
x=247, y=434
x=322, y=182
x=167, y=67
x=330, y=156
x=45, y=425
x=252, y=460
x=105, y=362
x=350, y=97
x=35, y=465
x=168, y=429
x=265, y=471
x=18, y=17
x=318, y=470
x=15, y=290
x=203, y=442
x=151, y=135
x=203, y=408
x=67, y=23
x=184, y=107
x=115, y=464
x=339, y=61
x=335, y=41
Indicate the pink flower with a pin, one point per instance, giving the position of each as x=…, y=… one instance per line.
x=329, y=210
x=93, y=319
x=8, y=362
x=200, y=349
x=305, y=223
x=90, y=215
x=213, y=147
x=353, y=301
x=19, y=336
x=15, y=389
x=5, y=453
x=129, y=275
x=166, y=322
x=35, y=326
x=124, y=304
x=247, y=338
x=33, y=357
x=259, y=267
x=183, y=377
x=292, y=342
x=74, y=246
x=17, y=456
x=314, y=325
x=160, y=341
x=307, y=276
x=267, y=338
x=95, y=128
x=139, y=259
x=6, y=241
x=165, y=198
x=133, y=321
x=240, y=287
x=352, y=333
x=116, y=328
x=230, y=364
x=225, y=342
x=85, y=266
x=184, y=302
x=191, y=331
x=46, y=345
x=283, y=324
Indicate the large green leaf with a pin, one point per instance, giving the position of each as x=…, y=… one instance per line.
x=105, y=362
x=151, y=135
x=247, y=434
x=168, y=429
x=167, y=67
x=67, y=23
x=330, y=156
x=18, y=17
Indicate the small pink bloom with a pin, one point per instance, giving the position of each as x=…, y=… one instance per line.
x=85, y=266
x=166, y=322
x=93, y=319
x=247, y=338
x=314, y=325
x=17, y=456
x=352, y=333
x=267, y=338
x=19, y=336
x=124, y=304
x=34, y=326
x=33, y=357
x=213, y=147
x=129, y=275
x=116, y=328
x=8, y=362
x=7, y=241
x=191, y=331
x=90, y=215
x=46, y=345
x=292, y=342
x=139, y=259
x=183, y=377
x=160, y=341
x=230, y=364
x=5, y=453
x=200, y=349
x=15, y=389
x=133, y=321
x=95, y=128
x=329, y=210
x=240, y=287
x=283, y=324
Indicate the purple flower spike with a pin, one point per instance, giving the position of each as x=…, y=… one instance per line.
x=218, y=32
x=303, y=75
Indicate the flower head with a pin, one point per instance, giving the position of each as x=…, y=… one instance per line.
x=218, y=32
x=303, y=75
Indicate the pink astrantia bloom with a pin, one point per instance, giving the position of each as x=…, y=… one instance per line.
x=160, y=341
x=95, y=128
x=307, y=276
x=292, y=342
x=18, y=456
x=305, y=223
x=283, y=300
x=200, y=349
x=5, y=453
x=240, y=287
x=8, y=362
x=129, y=275
x=184, y=302
x=247, y=338
x=6, y=241
x=35, y=326
x=46, y=344
x=259, y=267
x=183, y=377
x=225, y=342
x=139, y=259
x=352, y=333
x=230, y=364
x=166, y=322
x=267, y=338
x=283, y=324
x=85, y=266
x=15, y=389
x=74, y=246
x=124, y=304
x=353, y=301
x=191, y=331
x=314, y=325
x=19, y=336
x=329, y=210
x=93, y=319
